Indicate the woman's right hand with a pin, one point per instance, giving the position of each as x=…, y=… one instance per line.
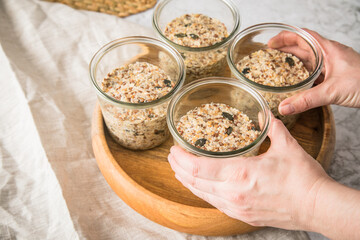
x=340, y=80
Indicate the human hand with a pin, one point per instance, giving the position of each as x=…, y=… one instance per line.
x=277, y=188
x=340, y=80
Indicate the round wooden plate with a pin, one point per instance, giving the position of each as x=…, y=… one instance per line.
x=145, y=181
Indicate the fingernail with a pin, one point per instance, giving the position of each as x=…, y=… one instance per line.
x=287, y=109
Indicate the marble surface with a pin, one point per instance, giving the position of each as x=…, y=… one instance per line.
x=334, y=19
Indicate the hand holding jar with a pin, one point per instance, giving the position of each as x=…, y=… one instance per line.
x=284, y=187
x=269, y=189
x=339, y=82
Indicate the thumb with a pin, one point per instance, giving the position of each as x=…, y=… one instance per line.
x=311, y=98
x=279, y=135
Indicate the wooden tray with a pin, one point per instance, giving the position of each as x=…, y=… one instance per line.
x=145, y=181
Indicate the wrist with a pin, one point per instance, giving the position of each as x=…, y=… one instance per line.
x=307, y=212
x=330, y=206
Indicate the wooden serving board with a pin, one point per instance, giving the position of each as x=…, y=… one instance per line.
x=145, y=181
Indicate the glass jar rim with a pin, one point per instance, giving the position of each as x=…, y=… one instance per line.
x=315, y=46
x=226, y=81
x=235, y=13
x=133, y=40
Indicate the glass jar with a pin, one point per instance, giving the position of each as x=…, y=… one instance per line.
x=220, y=90
x=200, y=62
x=256, y=37
x=136, y=125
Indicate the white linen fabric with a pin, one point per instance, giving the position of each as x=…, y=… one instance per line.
x=50, y=185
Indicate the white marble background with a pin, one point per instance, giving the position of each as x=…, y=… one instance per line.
x=334, y=19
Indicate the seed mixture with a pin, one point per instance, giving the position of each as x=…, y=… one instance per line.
x=195, y=31
x=272, y=67
x=217, y=127
x=139, y=82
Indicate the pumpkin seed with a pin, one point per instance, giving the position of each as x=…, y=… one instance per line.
x=228, y=116
x=167, y=82
x=180, y=35
x=194, y=36
x=290, y=61
x=245, y=70
x=200, y=142
x=157, y=132
x=229, y=130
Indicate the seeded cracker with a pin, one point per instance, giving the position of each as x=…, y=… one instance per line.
x=139, y=82
x=272, y=67
x=217, y=127
x=195, y=31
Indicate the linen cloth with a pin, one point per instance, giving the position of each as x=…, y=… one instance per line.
x=50, y=185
